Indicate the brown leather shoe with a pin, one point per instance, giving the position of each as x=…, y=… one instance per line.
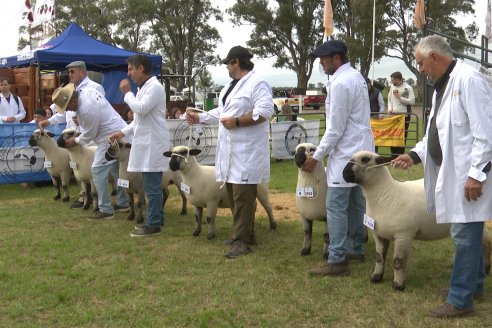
x=449, y=311
x=443, y=292
x=332, y=269
x=237, y=249
x=356, y=258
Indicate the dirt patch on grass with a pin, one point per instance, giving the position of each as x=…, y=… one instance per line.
x=283, y=205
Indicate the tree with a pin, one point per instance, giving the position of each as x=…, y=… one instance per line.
x=182, y=33
x=288, y=29
x=383, y=81
x=204, y=82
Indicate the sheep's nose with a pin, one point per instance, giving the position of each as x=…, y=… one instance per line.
x=348, y=173
x=174, y=164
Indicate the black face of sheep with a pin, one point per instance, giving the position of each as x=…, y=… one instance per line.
x=302, y=153
x=36, y=136
x=359, y=163
x=67, y=134
x=177, y=154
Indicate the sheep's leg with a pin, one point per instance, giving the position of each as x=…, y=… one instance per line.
x=65, y=182
x=165, y=196
x=198, y=220
x=326, y=239
x=400, y=258
x=184, y=201
x=56, y=184
x=131, y=203
x=140, y=205
x=211, y=213
x=268, y=208
x=308, y=236
x=382, y=246
x=487, y=249
x=86, y=188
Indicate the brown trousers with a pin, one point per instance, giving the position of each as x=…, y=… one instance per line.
x=242, y=198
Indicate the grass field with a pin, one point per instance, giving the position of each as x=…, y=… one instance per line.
x=59, y=270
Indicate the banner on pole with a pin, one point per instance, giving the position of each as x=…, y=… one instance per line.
x=287, y=135
x=389, y=131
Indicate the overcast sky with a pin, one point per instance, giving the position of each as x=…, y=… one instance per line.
x=10, y=20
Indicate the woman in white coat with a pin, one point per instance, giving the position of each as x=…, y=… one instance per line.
x=457, y=154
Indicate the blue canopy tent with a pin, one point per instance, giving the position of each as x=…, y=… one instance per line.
x=74, y=44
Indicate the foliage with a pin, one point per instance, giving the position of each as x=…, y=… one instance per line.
x=204, y=82
x=287, y=29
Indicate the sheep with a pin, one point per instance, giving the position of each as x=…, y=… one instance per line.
x=59, y=170
x=82, y=157
x=121, y=152
x=399, y=213
x=204, y=191
x=311, y=206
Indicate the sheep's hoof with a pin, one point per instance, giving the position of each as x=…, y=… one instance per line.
x=130, y=217
x=397, y=287
x=57, y=197
x=305, y=251
x=376, y=278
x=140, y=219
x=66, y=199
x=196, y=233
x=113, y=193
x=184, y=211
x=210, y=236
x=325, y=256
x=273, y=225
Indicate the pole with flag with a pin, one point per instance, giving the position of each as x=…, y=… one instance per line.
x=328, y=20
x=488, y=23
x=419, y=15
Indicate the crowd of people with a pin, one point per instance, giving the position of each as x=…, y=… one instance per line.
x=456, y=150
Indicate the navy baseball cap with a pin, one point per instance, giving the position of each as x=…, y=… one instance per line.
x=330, y=48
x=237, y=52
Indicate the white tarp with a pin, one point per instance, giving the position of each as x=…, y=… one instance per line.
x=287, y=135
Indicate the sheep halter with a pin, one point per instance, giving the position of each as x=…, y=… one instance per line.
x=114, y=144
x=229, y=139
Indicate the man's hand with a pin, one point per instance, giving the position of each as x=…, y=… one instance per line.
x=402, y=162
x=70, y=142
x=309, y=164
x=125, y=86
x=192, y=117
x=44, y=123
x=116, y=136
x=228, y=122
x=473, y=189
x=10, y=119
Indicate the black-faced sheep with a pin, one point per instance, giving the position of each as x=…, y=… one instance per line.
x=399, y=213
x=311, y=196
x=204, y=191
x=58, y=159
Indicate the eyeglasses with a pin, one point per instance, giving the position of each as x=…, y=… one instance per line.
x=71, y=71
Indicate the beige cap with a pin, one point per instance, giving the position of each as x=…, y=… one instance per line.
x=61, y=97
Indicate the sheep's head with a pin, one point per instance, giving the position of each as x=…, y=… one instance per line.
x=38, y=135
x=65, y=135
x=115, y=151
x=178, y=156
x=303, y=151
x=361, y=163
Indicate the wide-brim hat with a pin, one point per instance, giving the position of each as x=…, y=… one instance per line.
x=61, y=97
x=330, y=48
x=237, y=52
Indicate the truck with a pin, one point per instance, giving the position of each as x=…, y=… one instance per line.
x=281, y=97
x=311, y=98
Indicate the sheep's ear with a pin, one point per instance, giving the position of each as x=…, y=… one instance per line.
x=195, y=152
x=167, y=153
x=51, y=135
x=128, y=145
x=383, y=160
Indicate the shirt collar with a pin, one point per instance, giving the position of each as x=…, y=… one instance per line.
x=144, y=81
x=444, y=79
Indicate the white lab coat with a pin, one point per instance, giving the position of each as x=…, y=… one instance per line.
x=464, y=124
x=98, y=119
x=149, y=128
x=10, y=108
x=348, y=128
x=88, y=83
x=396, y=105
x=244, y=158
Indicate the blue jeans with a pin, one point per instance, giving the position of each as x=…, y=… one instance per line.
x=468, y=273
x=152, y=188
x=346, y=207
x=100, y=175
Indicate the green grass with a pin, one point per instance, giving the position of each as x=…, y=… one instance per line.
x=59, y=270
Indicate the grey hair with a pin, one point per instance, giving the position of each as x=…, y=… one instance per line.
x=434, y=43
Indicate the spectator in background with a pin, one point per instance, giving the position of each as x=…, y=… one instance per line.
x=400, y=101
x=11, y=107
x=49, y=112
x=39, y=115
x=285, y=114
x=175, y=113
x=376, y=101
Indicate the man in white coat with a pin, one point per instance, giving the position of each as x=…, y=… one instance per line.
x=456, y=152
x=347, y=131
x=150, y=137
x=11, y=107
x=243, y=153
x=98, y=119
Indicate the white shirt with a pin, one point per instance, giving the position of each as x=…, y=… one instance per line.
x=88, y=83
x=10, y=108
x=347, y=123
x=98, y=119
x=396, y=105
x=149, y=128
x=245, y=157
x=464, y=125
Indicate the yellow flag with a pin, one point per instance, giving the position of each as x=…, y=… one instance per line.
x=389, y=131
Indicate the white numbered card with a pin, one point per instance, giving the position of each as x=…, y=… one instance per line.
x=73, y=165
x=47, y=164
x=308, y=192
x=123, y=183
x=369, y=222
x=185, y=188
x=300, y=192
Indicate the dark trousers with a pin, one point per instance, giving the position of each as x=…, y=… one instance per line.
x=401, y=150
x=242, y=198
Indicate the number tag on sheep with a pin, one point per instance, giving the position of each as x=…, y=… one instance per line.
x=73, y=165
x=47, y=164
x=123, y=183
